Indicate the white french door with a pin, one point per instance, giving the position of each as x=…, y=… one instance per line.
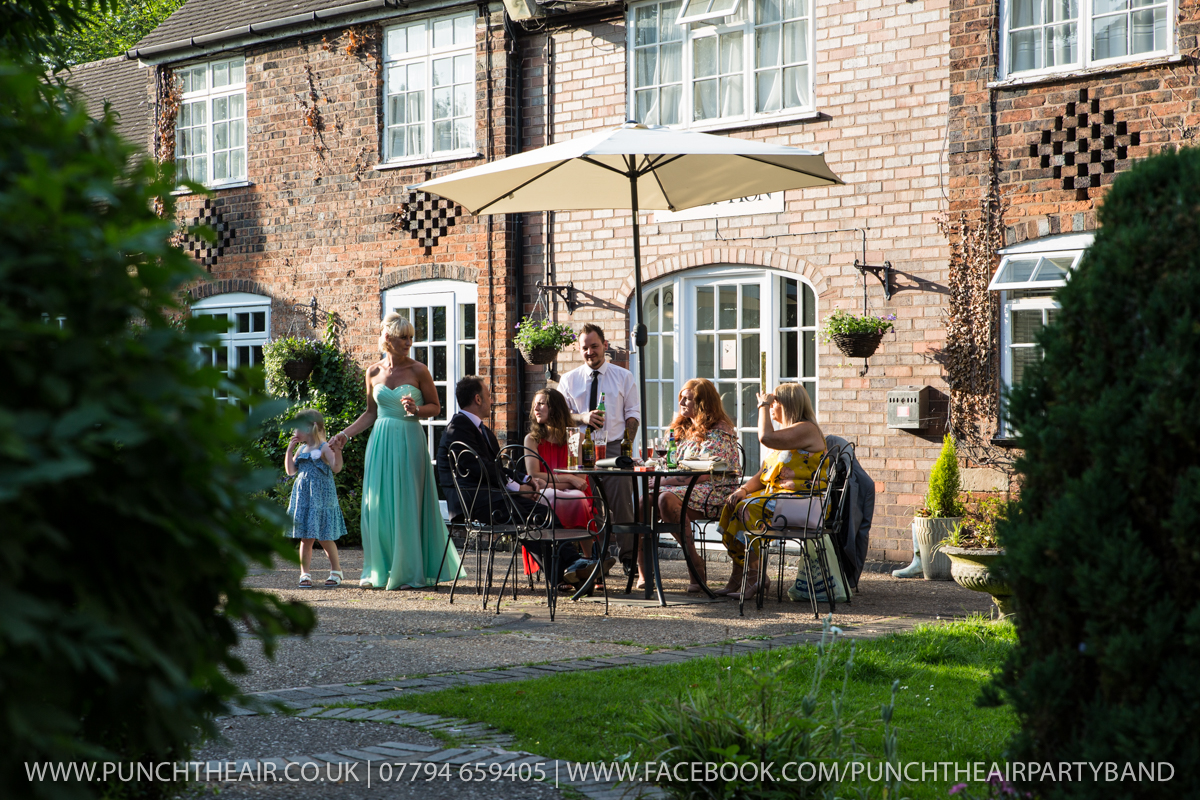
x=443, y=314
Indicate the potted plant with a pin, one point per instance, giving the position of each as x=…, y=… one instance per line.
x=941, y=514
x=539, y=340
x=973, y=551
x=856, y=336
x=296, y=356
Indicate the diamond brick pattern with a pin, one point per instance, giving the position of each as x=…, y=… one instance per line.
x=201, y=249
x=427, y=218
x=1084, y=144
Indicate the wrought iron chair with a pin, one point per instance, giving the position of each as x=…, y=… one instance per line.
x=539, y=530
x=712, y=508
x=486, y=516
x=809, y=518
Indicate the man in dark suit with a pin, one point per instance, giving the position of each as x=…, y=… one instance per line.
x=488, y=489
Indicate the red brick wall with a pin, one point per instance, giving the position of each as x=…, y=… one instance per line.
x=882, y=86
x=319, y=220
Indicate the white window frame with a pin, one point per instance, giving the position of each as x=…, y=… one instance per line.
x=742, y=17
x=425, y=34
x=242, y=349
x=1065, y=249
x=684, y=342
x=187, y=132
x=461, y=299
x=1085, y=24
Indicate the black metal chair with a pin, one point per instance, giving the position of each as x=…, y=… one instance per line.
x=539, y=531
x=829, y=493
x=486, y=516
x=712, y=508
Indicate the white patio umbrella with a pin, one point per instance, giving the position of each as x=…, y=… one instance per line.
x=636, y=167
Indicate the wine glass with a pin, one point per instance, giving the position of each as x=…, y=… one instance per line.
x=660, y=448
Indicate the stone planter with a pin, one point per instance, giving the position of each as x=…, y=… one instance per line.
x=928, y=531
x=971, y=568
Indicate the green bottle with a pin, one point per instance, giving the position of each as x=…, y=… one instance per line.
x=671, y=450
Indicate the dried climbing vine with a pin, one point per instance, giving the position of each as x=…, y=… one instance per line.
x=169, y=92
x=972, y=355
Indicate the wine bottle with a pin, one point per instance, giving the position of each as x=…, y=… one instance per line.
x=627, y=445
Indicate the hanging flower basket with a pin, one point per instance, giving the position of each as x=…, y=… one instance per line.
x=537, y=356
x=298, y=369
x=857, y=345
x=539, y=340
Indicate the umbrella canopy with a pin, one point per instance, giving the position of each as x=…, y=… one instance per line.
x=673, y=169
x=636, y=167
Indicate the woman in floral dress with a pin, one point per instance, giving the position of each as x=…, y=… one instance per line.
x=703, y=431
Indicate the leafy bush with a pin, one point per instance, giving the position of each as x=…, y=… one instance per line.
x=1104, y=547
x=978, y=527
x=943, y=497
x=335, y=388
x=534, y=333
x=844, y=322
x=764, y=727
x=125, y=505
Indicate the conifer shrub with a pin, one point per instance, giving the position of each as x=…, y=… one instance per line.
x=127, y=506
x=943, y=499
x=1102, y=553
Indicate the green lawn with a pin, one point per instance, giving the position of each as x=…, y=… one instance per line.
x=586, y=716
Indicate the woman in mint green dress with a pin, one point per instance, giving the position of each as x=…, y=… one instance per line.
x=403, y=533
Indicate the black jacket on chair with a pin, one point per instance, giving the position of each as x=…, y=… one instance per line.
x=476, y=475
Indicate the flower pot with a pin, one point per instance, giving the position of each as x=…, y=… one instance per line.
x=973, y=568
x=928, y=531
x=857, y=345
x=298, y=369
x=538, y=355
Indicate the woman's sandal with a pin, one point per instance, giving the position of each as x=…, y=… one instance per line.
x=334, y=579
x=752, y=590
x=305, y=580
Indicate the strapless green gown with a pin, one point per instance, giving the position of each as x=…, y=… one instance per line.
x=403, y=533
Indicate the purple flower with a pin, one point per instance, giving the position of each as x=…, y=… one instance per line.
x=956, y=788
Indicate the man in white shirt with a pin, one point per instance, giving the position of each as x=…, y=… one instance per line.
x=583, y=387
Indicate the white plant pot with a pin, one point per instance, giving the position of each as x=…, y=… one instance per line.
x=928, y=531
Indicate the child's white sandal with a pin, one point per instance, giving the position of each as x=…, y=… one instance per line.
x=305, y=580
x=334, y=579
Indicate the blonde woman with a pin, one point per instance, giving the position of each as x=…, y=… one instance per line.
x=794, y=446
x=403, y=533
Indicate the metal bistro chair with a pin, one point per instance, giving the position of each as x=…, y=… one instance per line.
x=810, y=523
x=540, y=532
x=484, y=518
x=713, y=506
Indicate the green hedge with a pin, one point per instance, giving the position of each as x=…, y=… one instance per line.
x=1103, y=552
x=127, y=505
x=336, y=389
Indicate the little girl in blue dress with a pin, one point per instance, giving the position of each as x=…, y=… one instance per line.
x=316, y=515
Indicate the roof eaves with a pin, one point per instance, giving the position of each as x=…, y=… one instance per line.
x=267, y=29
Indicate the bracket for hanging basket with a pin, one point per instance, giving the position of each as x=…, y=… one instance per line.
x=565, y=293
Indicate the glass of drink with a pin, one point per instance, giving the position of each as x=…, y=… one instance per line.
x=601, y=450
x=660, y=447
x=573, y=450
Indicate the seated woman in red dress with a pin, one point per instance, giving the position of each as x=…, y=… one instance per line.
x=548, y=421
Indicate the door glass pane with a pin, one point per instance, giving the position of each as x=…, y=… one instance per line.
x=651, y=313
x=728, y=299
x=788, y=304
x=789, y=359
x=704, y=308
x=729, y=399
x=468, y=315
x=810, y=355
x=753, y=457
x=439, y=323
x=652, y=420
x=810, y=307
x=750, y=306
x=749, y=404
x=668, y=309
x=421, y=323
x=668, y=357
x=652, y=358
x=468, y=362
x=727, y=356
x=704, y=356
x=751, y=356
x=439, y=362
x=421, y=354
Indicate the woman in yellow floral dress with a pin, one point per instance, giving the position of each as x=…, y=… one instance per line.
x=794, y=447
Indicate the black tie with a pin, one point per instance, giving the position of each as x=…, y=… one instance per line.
x=487, y=440
x=594, y=397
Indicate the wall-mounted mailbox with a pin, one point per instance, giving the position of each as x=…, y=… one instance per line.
x=908, y=407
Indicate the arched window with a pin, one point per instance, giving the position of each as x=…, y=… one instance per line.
x=727, y=324
x=249, y=319
x=443, y=313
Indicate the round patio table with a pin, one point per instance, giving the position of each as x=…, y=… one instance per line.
x=646, y=526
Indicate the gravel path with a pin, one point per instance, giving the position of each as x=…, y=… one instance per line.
x=372, y=635
x=275, y=735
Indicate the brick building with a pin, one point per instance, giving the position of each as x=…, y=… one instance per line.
x=309, y=120
x=1048, y=106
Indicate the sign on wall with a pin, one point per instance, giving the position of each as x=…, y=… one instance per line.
x=757, y=204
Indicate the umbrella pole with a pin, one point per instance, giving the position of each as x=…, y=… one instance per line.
x=640, y=336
